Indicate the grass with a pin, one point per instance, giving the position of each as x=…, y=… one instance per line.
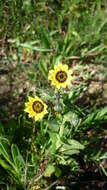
x=70, y=141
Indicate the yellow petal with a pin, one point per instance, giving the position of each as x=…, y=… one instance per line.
x=70, y=71
x=28, y=109
x=65, y=67
x=51, y=72
x=31, y=99
x=31, y=114
x=45, y=111
x=27, y=104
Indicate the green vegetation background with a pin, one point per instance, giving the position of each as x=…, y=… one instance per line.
x=35, y=35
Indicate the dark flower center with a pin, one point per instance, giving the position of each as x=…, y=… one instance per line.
x=38, y=107
x=61, y=76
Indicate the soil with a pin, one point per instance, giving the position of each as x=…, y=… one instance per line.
x=15, y=83
x=89, y=181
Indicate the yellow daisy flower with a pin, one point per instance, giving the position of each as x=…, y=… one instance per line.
x=36, y=108
x=60, y=76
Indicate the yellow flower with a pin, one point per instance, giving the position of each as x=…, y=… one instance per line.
x=60, y=76
x=36, y=108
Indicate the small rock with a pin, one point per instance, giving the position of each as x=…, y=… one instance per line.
x=95, y=87
x=105, y=91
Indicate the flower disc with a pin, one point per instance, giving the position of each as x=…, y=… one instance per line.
x=36, y=108
x=60, y=76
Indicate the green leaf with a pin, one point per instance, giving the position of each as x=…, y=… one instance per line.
x=57, y=171
x=45, y=38
x=71, y=117
x=54, y=125
x=73, y=147
x=101, y=113
x=104, y=156
x=96, y=116
x=7, y=167
x=50, y=169
x=4, y=152
x=75, y=144
x=53, y=137
x=34, y=48
x=17, y=157
x=43, y=68
x=67, y=117
x=68, y=150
